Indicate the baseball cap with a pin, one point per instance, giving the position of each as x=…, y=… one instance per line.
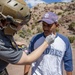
x=50, y=18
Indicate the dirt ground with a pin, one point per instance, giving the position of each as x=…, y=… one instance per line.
x=19, y=70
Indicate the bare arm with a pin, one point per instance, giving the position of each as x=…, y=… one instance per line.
x=68, y=73
x=27, y=59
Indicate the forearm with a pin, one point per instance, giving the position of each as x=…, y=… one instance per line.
x=37, y=53
x=25, y=59
x=68, y=73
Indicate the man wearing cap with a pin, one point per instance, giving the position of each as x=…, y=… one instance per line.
x=59, y=52
x=12, y=19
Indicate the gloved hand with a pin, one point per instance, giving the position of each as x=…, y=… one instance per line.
x=50, y=38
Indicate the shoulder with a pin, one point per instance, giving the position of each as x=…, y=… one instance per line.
x=37, y=36
x=64, y=38
x=35, y=39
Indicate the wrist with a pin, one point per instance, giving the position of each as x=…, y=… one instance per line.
x=45, y=43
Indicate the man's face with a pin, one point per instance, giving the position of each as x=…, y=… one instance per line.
x=20, y=25
x=17, y=26
x=48, y=28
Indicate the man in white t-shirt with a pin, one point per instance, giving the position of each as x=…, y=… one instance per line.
x=59, y=52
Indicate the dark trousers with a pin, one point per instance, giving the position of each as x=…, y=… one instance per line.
x=4, y=72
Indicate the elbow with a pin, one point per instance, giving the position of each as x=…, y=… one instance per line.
x=25, y=59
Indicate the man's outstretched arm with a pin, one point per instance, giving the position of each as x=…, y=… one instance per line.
x=27, y=59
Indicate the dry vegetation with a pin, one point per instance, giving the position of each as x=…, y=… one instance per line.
x=66, y=13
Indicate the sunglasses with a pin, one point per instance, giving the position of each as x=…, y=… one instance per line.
x=19, y=22
x=14, y=24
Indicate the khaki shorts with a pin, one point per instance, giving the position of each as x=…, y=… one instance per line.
x=4, y=72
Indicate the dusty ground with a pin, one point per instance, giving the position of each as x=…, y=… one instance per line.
x=19, y=70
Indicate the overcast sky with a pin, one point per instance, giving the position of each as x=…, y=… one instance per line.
x=32, y=3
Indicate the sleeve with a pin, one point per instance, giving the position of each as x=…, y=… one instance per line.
x=68, y=64
x=31, y=47
x=10, y=55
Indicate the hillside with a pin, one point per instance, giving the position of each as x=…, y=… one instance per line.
x=66, y=13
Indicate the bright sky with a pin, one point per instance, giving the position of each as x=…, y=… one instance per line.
x=32, y=3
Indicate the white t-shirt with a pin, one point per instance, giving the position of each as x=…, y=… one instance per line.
x=51, y=61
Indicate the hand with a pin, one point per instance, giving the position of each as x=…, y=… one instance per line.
x=20, y=43
x=50, y=38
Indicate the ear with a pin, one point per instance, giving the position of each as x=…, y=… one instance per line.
x=56, y=24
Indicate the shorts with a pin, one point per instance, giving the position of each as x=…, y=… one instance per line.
x=4, y=72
